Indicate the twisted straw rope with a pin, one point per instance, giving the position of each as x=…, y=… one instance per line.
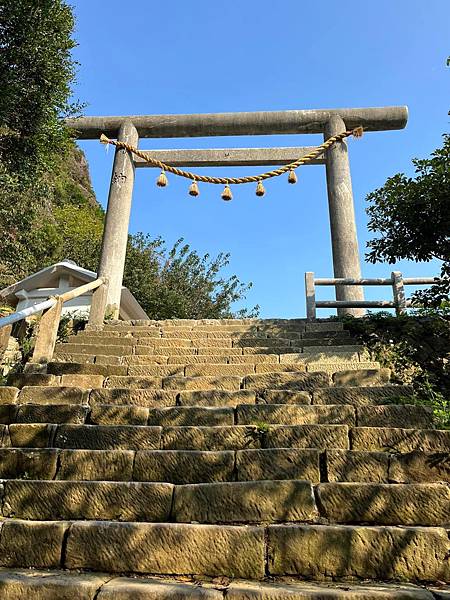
x=357, y=132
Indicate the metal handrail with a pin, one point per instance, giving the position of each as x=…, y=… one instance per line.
x=26, y=312
x=396, y=281
x=51, y=301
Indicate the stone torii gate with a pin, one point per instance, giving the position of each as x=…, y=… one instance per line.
x=329, y=122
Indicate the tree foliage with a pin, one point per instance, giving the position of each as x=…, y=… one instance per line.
x=179, y=282
x=36, y=76
x=37, y=73
x=411, y=216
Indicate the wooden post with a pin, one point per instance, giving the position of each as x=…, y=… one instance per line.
x=47, y=334
x=398, y=289
x=342, y=218
x=310, y=290
x=98, y=305
x=115, y=234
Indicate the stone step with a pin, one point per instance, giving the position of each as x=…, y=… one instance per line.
x=294, y=500
x=383, y=467
x=226, y=324
x=137, y=437
x=44, y=413
x=197, y=466
x=193, y=334
x=424, y=504
x=290, y=381
x=366, y=416
x=409, y=554
x=217, y=346
x=22, y=584
x=205, y=369
x=335, y=354
x=396, y=439
x=362, y=396
x=240, y=437
x=225, y=437
x=88, y=500
x=245, y=502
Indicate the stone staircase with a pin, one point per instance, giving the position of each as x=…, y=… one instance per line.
x=259, y=460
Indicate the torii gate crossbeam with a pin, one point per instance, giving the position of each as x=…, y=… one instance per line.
x=329, y=122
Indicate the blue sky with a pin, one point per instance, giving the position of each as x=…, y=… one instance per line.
x=143, y=57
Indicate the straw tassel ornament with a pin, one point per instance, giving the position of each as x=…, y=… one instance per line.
x=358, y=132
x=162, y=180
x=292, y=177
x=226, y=194
x=260, y=191
x=193, y=189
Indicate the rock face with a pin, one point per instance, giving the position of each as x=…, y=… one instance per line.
x=216, y=451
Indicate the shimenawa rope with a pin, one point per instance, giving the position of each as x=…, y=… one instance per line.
x=258, y=179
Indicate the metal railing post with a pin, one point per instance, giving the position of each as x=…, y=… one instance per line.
x=310, y=290
x=398, y=289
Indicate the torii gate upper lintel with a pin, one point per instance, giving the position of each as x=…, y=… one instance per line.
x=129, y=129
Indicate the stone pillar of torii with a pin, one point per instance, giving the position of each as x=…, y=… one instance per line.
x=329, y=122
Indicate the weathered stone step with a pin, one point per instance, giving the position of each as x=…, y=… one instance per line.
x=368, y=371
x=172, y=466
x=382, y=553
x=196, y=466
x=372, y=416
x=41, y=413
x=396, y=439
x=89, y=500
x=193, y=334
x=240, y=437
x=362, y=396
x=310, y=355
x=245, y=502
x=253, y=552
x=294, y=500
x=169, y=347
x=101, y=437
x=225, y=324
x=383, y=467
x=425, y=504
x=292, y=381
x=137, y=437
x=21, y=584
x=226, y=437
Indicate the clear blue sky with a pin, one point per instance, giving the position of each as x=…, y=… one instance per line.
x=141, y=57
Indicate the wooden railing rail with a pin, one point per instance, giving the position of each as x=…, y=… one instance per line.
x=396, y=281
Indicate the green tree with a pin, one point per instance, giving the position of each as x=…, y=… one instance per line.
x=411, y=216
x=179, y=282
x=37, y=74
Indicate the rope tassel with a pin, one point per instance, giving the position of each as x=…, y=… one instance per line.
x=226, y=194
x=358, y=132
x=292, y=177
x=260, y=191
x=162, y=180
x=193, y=189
